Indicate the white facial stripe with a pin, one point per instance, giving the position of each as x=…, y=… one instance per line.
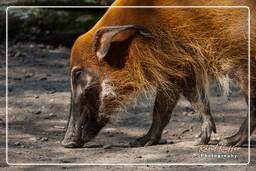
x=88, y=79
x=107, y=89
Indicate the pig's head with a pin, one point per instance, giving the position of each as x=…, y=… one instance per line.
x=96, y=58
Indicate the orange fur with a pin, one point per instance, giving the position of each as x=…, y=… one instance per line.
x=187, y=43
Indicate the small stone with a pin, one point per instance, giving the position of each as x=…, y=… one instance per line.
x=22, y=146
x=59, y=127
x=66, y=161
x=32, y=139
x=36, y=97
x=184, y=131
x=17, y=143
x=29, y=75
x=31, y=45
x=10, y=89
x=59, y=65
x=48, y=46
x=43, y=78
x=44, y=139
x=216, y=138
x=107, y=146
x=185, y=113
x=39, y=138
x=111, y=135
x=17, y=54
x=163, y=141
x=191, y=128
x=165, y=132
x=41, y=45
x=52, y=115
x=191, y=113
x=37, y=112
x=52, y=92
x=2, y=122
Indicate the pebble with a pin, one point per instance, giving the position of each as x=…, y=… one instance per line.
x=29, y=75
x=111, y=135
x=184, y=131
x=10, y=89
x=37, y=112
x=2, y=123
x=41, y=45
x=59, y=127
x=43, y=78
x=216, y=138
x=17, y=143
x=17, y=54
x=32, y=139
x=107, y=146
x=163, y=141
x=66, y=161
x=36, y=97
x=44, y=139
x=53, y=91
x=52, y=115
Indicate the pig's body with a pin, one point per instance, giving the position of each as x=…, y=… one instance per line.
x=175, y=50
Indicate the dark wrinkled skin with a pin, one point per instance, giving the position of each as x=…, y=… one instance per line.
x=84, y=123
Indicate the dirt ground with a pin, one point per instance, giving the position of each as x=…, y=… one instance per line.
x=38, y=108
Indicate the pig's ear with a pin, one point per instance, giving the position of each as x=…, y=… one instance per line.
x=106, y=36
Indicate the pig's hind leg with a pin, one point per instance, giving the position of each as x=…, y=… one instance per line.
x=241, y=136
x=164, y=105
x=200, y=104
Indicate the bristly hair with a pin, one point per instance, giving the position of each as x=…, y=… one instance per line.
x=177, y=53
x=206, y=45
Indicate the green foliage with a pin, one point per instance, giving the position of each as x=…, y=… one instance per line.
x=50, y=25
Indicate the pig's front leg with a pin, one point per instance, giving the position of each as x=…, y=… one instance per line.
x=164, y=105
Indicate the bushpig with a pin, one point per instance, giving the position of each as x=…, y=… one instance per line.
x=173, y=50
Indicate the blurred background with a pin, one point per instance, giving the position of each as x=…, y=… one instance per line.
x=51, y=26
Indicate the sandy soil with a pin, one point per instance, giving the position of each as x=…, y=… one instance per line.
x=38, y=107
